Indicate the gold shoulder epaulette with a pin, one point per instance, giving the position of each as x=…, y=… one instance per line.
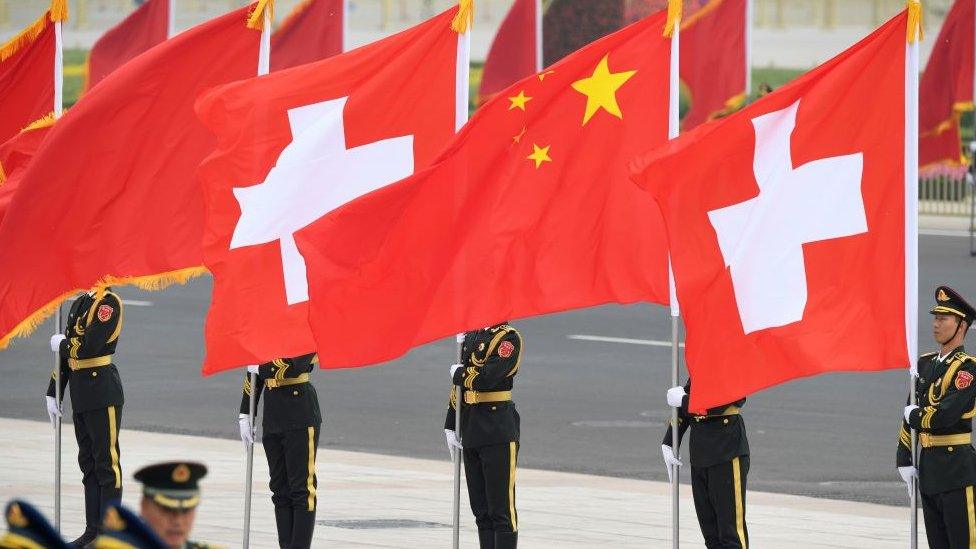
x=964, y=357
x=926, y=355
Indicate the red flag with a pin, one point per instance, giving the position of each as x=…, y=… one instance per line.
x=293, y=146
x=713, y=60
x=798, y=253
x=27, y=72
x=313, y=31
x=16, y=154
x=142, y=29
x=946, y=89
x=127, y=155
x=528, y=211
x=514, y=53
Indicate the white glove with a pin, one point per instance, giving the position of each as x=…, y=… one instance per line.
x=253, y=369
x=53, y=410
x=907, y=474
x=913, y=370
x=247, y=435
x=452, y=442
x=454, y=368
x=669, y=459
x=56, y=340
x=459, y=338
x=675, y=396
x=908, y=410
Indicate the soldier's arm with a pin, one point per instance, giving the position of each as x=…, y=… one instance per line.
x=683, y=417
x=246, y=393
x=102, y=325
x=957, y=400
x=503, y=361
x=449, y=420
x=65, y=374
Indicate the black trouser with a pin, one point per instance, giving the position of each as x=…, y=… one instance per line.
x=490, y=472
x=720, y=502
x=949, y=519
x=97, y=433
x=291, y=460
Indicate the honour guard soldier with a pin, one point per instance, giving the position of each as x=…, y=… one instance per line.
x=719, y=467
x=170, y=496
x=291, y=438
x=946, y=397
x=28, y=529
x=489, y=430
x=85, y=350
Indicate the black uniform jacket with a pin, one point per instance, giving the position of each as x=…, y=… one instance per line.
x=91, y=331
x=490, y=360
x=717, y=437
x=290, y=406
x=946, y=396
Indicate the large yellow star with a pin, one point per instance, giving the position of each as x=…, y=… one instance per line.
x=539, y=154
x=519, y=101
x=601, y=89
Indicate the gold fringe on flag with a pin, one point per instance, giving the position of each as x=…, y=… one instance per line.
x=43, y=122
x=674, y=17
x=464, y=17
x=255, y=19
x=915, y=30
x=151, y=283
x=24, y=37
x=59, y=10
x=3, y=175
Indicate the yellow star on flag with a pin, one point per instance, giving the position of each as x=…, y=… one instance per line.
x=518, y=138
x=601, y=89
x=543, y=75
x=539, y=154
x=519, y=101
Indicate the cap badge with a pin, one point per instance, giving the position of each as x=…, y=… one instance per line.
x=181, y=473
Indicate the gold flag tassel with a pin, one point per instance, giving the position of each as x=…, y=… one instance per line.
x=915, y=30
x=255, y=19
x=464, y=18
x=674, y=17
x=57, y=12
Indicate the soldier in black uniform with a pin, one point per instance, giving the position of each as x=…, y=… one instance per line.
x=946, y=396
x=489, y=430
x=291, y=438
x=27, y=527
x=91, y=334
x=719, y=467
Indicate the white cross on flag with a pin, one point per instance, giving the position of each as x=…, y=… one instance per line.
x=297, y=144
x=792, y=225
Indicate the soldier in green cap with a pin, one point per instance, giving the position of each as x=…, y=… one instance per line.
x=28, y=529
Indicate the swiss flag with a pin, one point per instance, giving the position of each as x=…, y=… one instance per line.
x=298, y=143
x=790, y=227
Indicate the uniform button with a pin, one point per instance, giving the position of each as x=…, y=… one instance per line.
x=950, y=448
x=94, y=374
x=294, y=393
x=725, y=421
x=494, y=407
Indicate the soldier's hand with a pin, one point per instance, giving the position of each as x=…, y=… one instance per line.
x=56, y=340
x=675, y=396
x=907, y=474
x=669, y=459
x=452, y=442
x=53, y=410
x=253, y=369
x=247, y=433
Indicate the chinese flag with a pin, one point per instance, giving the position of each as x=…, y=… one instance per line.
x=313, y=31
x=127, y=155
x=27, y=73
x=528, y=211
x=514, y=51
x=16, y=154
x=796, y=255
x=142, y=29
x=946, y=89
x=294, y=145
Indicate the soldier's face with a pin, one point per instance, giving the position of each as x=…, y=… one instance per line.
x=173, y=526
x=943, y=327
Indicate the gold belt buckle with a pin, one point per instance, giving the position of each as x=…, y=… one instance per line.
x=924, y=439
x=271, y=383
x=470, y=397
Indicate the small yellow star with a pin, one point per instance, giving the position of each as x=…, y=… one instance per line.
x=601, y=89
x=518, y=138
x=539, y=154
x=519, y=101
x=543, y=75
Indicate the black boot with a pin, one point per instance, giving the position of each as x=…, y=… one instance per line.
x=283, y=518
x=486, y=539
x=303, y=524
x=93, y=517
x=506, y=540
x=86, y=538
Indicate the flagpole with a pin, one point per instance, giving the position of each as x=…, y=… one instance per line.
x=345, y=25
x=748, y=37
x=264, y=67
x=458, y=389
x=171, y=19
x=673, y=131
x=911, y=227
x=58, y=111
x=539, y=43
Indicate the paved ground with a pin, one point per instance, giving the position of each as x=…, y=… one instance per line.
x=587, y=406
x=375, y=501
